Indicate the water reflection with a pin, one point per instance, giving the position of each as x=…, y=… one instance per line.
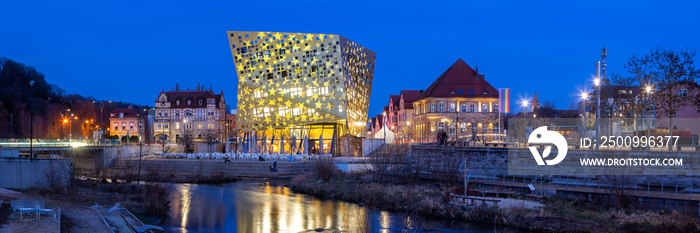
x=267, y=206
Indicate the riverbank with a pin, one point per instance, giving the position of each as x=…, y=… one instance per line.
x=428, y=200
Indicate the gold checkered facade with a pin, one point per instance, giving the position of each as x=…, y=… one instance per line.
x=295, y=79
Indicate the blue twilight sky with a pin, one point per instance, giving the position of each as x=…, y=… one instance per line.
x=130, y=50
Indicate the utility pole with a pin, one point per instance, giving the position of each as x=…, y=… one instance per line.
x=597, y=104
x=600, y=77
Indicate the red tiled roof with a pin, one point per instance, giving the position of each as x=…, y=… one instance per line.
x=460, y=78
x=394, y=99
x=127, y=113
x=408, y=97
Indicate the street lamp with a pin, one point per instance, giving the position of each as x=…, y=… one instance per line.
x=524, y=103
x=584, y=97
x=648, y=95
x=64, y=116
x=31, y=119
x=408, y=125
x=384, y=126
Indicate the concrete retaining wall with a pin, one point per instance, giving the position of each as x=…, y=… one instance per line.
x=177, y=168
x=34, y=173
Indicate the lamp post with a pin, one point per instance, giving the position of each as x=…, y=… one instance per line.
x=31, y=119
x=63, y=117
x=584, y=96
x=648, y=94
x=408, y=130
x=524, y=103
x=70, y=123
x=384, y=126
x=597, y=104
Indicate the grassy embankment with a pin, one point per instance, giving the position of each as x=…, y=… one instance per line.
x=428, y=199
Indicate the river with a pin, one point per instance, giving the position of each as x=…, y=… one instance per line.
x=261, y=206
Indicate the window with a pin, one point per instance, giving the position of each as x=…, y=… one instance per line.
x=484, y=108
x=189, y=102
x=131, y=126
x=441, y=125
x=472, y=108
x=200, y=102
x=432, y=107
x=140, y=126
x=199, y=126
x=452, y=128
x=116, y=126
x=199, y=113
x=441, y=107
x=156, y=126
x=123, y=126
x=121, y=115
x=177, y=125
x=453, y=107
x=463, y=128
x=683, y=92
x=495, y=128
x=495, y=108
x=471, y=91
x=463, y=107
x=165, y=125
x=177, y=103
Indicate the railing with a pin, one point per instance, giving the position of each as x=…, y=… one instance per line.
x=59, y=142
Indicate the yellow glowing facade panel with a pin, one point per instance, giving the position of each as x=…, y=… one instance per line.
x=295, y=79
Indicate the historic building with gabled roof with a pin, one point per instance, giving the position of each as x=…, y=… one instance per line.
x=125, y=122
x=460, y=102
x=199, y=113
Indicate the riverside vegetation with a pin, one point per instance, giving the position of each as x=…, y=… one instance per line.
x=428, y=198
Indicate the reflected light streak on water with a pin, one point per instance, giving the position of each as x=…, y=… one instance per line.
x=266, y=206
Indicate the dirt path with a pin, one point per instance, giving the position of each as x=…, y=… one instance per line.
x=83, y=218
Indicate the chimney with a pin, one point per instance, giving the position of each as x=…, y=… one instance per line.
x=477, y=70
x=198, y=86
x=177, y=87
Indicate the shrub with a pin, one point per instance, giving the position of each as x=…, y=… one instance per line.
x=325, y=169
x=156, y=198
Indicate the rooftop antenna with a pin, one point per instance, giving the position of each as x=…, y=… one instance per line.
x=603, y=55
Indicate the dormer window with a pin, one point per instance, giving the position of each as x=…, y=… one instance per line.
x=189, y=102
x=121, y=115
x=177, y=103
x=200, y=102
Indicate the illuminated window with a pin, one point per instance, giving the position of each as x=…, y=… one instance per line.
x=441, y=107
x=463, y=107
x=441, y=125
x=452, y=107
x=432, y=107
x=472, y=108
x=484, y=108
x=463, y=128
x=452, y=128
x=495, y=108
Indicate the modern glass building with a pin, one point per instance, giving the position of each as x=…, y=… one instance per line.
x=302, y=85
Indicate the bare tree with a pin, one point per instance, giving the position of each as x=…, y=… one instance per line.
x=187, y=141
x=162, y=141
x=670, y=67
x=142, y=151
x=211, y=137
